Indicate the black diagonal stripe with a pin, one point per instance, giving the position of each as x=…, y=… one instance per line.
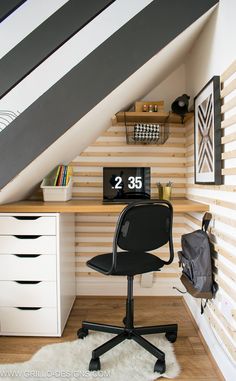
x=46, y=39
x=9, y=6
x=93, y=79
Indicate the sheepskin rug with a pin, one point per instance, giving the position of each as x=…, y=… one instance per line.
x=69, y=361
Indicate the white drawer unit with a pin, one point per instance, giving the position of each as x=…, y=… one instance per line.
x=28, y=267
x=24, y=244
x=30, y=225
x=37, y=273
x=27, y=293
x=29, y=321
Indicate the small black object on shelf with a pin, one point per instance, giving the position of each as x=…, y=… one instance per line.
x=180, y=105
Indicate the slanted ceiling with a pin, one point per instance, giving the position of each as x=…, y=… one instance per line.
x=97, y=120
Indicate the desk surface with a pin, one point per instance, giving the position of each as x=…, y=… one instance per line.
x=93, y=206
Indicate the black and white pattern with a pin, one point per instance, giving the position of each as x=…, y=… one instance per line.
x=207, y=134
x=6, y=117
x=146, y=132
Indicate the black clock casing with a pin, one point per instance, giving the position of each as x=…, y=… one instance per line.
x=126, y=184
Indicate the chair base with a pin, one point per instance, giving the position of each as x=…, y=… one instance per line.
x=124, y=333
x=129, y=332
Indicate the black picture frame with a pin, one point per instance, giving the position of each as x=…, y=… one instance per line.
x=207, y=134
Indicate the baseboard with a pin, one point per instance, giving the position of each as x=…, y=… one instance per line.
x=221, y=362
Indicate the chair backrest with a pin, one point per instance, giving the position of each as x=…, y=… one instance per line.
x=144, y=226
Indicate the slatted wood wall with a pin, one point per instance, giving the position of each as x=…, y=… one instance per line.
x=220, y=312
x=94, y=232
x=173, y=161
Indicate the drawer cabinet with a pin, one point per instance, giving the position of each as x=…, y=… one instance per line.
x=30, y=225
x=28, y=294
x=28, y=267
x=29, y=321
x=27, y=244
x=37, y=273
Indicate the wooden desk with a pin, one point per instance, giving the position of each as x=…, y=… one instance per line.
x=87, y=206
x=44, y=232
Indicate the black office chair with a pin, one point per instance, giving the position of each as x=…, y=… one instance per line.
x=142, y=226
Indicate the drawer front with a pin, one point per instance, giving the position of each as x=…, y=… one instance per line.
x=27, y=293
x=42, y=267
x=15, y=321
x=27, y=225
x=27, y=245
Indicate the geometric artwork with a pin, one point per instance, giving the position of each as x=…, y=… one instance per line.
x=207, y=134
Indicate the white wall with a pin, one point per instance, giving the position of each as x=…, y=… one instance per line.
x=215, y=48
x=170, y=88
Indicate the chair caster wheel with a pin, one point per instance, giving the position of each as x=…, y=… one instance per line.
x=94, y=364
x=125, y=320
x=82, y=333
x=160, y=366
x=171, y=336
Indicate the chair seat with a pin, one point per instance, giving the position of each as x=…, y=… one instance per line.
x=128, y=263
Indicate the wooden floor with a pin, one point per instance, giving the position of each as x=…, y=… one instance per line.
x=195, y=363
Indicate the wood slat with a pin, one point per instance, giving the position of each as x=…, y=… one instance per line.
x=132, y=154
x=228, y=88
x=229, y=155
x=228, y=138
x=97, y=184
x=225, y=204
x=220, y=331
x=193, y=219
x=229, y=327
x=99, y=195
x=228, y=72
x=225, y=219
x=227, y=271
x=227, y=288
x=168, y=175
x=226, y=188
x=229, y=171
x=173, y=127
x=130, y=164
x=112, y=143
x=228, y=122
x=106, y=234
x=225, y=237
x=121, y=134
x=228, y=105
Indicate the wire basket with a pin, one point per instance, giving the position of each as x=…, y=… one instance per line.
x=146, y=133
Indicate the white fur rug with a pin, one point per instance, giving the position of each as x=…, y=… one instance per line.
x=69, y=361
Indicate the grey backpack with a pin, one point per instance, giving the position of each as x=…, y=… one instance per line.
x=196, y=261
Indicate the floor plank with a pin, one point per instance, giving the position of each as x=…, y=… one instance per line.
x=195, y=363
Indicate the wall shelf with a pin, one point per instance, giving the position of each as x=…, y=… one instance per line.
x=150, y=117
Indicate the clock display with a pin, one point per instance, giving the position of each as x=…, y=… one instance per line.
x=126, y=183
x=133, y=182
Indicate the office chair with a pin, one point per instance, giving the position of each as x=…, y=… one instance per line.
x=141, y=227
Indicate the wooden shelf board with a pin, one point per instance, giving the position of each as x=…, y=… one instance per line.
x=91, y=206
x=150, y=117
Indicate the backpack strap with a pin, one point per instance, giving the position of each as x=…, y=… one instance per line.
x=206, y=219
x=203, y=306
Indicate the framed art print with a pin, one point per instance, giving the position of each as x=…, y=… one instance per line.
x=207, y=134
